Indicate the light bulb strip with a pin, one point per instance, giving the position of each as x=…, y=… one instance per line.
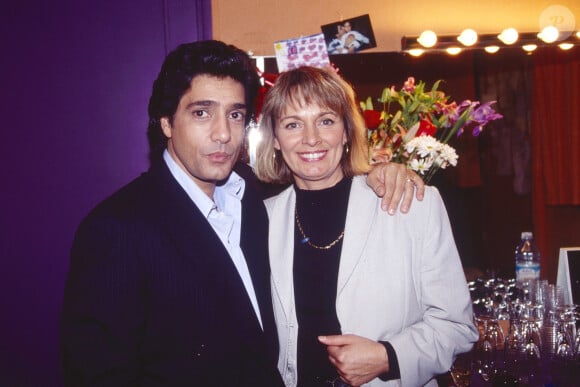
x=444, y=42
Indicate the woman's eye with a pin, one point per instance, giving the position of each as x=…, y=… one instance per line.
x=327, y=121
x=291, y=125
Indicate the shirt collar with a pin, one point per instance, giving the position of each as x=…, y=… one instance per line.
x=232, y=188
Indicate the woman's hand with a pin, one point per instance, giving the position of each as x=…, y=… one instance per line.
x=357, y=360
x=393, y=181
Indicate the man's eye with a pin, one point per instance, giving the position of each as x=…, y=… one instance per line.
x=200, y=113
x=238, y=116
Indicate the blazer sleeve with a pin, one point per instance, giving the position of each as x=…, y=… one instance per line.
x=103, y=310
x=429, y=346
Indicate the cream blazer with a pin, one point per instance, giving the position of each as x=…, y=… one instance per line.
x=400, y=280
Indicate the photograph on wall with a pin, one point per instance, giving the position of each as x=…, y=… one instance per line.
x=303, y=51
x=349, y=36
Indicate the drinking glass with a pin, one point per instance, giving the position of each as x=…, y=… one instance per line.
x=564, y=351
x=533, y=341
x=577, y=348
x=566, y=333
x=529, y=368
x=487, y=351
x=567, y=318
x=495, y=333
x=461, y=369
x=554, y=297
x=484, y=359
x=550, y=329
x=514, y=341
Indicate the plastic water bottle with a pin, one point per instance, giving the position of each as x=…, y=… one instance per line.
x=527, y=258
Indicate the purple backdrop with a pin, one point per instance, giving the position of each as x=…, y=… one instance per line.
x=75, y=79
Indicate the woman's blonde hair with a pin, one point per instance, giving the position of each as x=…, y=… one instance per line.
x=303, y=86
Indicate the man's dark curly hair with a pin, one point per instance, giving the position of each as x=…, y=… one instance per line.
x=187, y=61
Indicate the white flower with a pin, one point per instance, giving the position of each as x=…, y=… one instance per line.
x=421, y=165
x=424, y=146
x=449, y=155
x=427, y=152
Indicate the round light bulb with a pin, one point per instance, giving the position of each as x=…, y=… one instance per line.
x=508, y=36
x=427, y=38
x=453, y=50
x=565, y=46
x=529, y=47
x=416, y=52
x=468, y=37
x=491, y=49
x=549, y=34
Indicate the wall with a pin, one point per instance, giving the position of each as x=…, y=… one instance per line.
x=263, y=22
x=76, y=77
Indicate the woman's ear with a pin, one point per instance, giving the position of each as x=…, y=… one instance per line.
x=276, y=144
x=166, y=126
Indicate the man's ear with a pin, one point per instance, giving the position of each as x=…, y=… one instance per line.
x=166, y=126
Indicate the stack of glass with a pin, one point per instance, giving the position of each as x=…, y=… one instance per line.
x=528, y=336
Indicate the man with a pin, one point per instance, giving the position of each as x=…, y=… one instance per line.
x=169, y=277
x=336, y=45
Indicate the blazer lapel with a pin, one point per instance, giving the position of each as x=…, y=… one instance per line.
x=181, y=218
x=281, y=240
x=254, y=244
x=359, y=220
x=192, y=234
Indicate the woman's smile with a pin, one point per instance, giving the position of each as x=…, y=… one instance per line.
x=312, y=156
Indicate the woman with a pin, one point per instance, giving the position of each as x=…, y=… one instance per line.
x=359, y=297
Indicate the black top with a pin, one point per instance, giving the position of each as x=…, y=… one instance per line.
x=322, y=215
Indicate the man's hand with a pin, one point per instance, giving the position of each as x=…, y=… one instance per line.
x=393, y=181
x=357, y=360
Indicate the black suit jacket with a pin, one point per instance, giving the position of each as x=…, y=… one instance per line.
x=153, y=299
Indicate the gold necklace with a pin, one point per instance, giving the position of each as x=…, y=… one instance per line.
x=306, y=240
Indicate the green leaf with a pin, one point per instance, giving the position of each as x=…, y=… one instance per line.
x=396, y=119
x=414, y=105
x=435, y=86
x=369, y=104
x=384, y=95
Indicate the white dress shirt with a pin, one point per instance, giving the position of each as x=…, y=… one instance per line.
x=224, y=214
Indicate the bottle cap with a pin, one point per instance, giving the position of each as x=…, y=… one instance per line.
x=527, y=235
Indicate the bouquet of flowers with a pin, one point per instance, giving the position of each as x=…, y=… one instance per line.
x=414, y=126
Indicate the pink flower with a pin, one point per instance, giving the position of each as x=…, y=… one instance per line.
x=381, y=155
x=409, y=85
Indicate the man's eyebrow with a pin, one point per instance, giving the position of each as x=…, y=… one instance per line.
x=208, y=103
x=204, y=103
x=239, y=106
